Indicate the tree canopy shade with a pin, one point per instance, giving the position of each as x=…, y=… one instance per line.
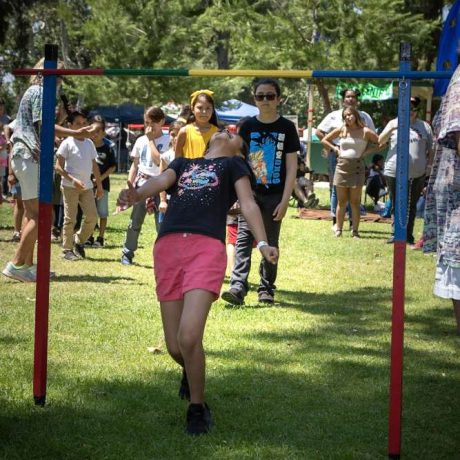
x=214, y=34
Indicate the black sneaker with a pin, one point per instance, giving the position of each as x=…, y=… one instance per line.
x=126, y=260
x=99, y=243
x=184, y=389
x=265, y=297
x=233, y=296
x=79, y=250
x=199, y=419
x=89, y=242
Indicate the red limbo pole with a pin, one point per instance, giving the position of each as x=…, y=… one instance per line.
x=44, y=228
x=399, y=259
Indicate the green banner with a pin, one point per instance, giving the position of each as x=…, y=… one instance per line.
x=369, y=92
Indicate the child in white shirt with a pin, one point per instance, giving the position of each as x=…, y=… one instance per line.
x=76, y=161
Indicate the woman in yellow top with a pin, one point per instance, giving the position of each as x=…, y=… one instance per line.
x=192, y=139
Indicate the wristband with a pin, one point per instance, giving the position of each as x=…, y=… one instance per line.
x=261, y=244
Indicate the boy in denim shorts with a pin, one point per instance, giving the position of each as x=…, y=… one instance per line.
x=107, y=165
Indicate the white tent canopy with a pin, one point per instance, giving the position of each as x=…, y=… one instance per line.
x=233, y=109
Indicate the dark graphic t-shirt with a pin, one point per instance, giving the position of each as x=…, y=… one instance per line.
x=268, y=145
x=202, y=195
x=105, y=159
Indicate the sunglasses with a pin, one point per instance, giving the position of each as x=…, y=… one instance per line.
x=260, y=97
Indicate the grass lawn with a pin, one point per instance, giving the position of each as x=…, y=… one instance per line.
x=306, y=378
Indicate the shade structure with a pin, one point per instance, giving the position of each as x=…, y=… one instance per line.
x=123, y=113
x=233, y=110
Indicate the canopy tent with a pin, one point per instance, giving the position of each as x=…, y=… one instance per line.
x=124, y=113
x=233, y=110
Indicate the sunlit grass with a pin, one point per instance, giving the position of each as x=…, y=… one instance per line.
x=306, y=378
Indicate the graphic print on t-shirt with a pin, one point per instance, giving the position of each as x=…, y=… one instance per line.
x=197, y=177
x=265, y=156
x=145, y=157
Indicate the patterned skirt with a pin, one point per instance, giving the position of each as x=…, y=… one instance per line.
x=447, y=281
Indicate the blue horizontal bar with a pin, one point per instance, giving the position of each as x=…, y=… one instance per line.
x=389, y=74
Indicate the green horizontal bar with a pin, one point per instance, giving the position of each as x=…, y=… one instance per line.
x=148, y=72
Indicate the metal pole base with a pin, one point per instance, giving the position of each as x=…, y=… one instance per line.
x=40, y=400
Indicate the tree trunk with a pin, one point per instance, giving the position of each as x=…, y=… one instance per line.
x=324, y=95
x=222, y=50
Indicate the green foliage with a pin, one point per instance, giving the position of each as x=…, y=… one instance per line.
x=249, y=34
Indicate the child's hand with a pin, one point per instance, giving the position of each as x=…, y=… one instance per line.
x=99, y=193
x=127, y=197
x=11, y=180
x=87, y=131
x=163, y=206
x=149, y=132
x=270, y=254
x=280, y=211
x=78, y=184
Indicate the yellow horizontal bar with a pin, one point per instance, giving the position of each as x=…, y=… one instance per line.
x=250, y=73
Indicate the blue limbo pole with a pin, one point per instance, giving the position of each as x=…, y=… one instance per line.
x=399, y=258
x=45, y=209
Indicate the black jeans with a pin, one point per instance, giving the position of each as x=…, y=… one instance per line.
x=243, y=250
x=415, y=187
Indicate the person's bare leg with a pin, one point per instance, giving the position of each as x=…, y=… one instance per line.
x=230, y=257
x=355, y=203
x=197, y=304
x=456, y=304
x=171, y=312
x=18, y=214
x=299, y=192
x=102, y=226
x=25, y=251
x=342, y=200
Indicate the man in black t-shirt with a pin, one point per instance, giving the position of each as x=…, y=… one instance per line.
x=273, y=145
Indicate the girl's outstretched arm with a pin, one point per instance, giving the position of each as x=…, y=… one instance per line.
x=251, y=213
x=153, y=186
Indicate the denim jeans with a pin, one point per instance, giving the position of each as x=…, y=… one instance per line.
x=331, y=165
x=415, y=187
x=134, y=228
x=243, y=250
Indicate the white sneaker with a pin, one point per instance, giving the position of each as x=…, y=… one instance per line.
x=33, y=269
x=20, y=274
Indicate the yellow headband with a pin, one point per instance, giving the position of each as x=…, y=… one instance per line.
x=195, y=94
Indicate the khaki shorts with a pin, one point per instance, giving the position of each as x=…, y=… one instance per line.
x=26, y=172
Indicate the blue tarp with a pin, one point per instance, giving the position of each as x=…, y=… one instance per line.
x=233, y=109
x=123, y=113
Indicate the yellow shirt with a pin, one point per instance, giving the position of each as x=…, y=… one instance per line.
x=195, y=142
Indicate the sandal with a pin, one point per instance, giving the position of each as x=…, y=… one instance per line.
x=355, y=234
x=338, y=232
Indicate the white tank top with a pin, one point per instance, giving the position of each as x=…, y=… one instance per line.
x=352, y=148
